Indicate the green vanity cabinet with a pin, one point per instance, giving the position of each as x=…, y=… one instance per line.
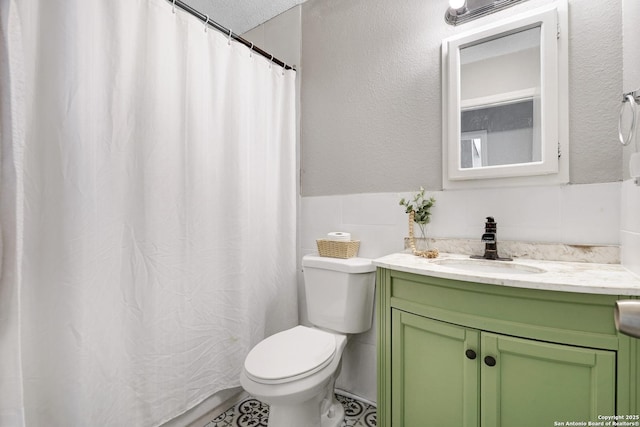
x=462, y=354
x=536, y=384
x=432, y=379
x=439, y=375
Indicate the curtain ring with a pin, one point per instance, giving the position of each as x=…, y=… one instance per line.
x=251, y=51
x=174, y=6
x=230, y=33
x=284, y=67
x=632, y=102
x=271, y=62
x=206, y=23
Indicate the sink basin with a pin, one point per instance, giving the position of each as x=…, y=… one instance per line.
x=488, y=267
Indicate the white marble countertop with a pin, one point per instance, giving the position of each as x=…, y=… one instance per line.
x=583, y=277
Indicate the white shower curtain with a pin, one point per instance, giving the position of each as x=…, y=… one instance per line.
x=148, y=208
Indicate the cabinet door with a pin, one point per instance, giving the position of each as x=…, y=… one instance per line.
x=533, y=383
x=434, y=380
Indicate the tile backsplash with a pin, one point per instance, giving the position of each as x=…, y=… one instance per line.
x=601, y=254
x=572, y=214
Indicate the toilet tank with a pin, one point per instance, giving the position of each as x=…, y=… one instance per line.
x=339, y=292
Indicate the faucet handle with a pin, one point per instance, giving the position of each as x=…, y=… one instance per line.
x=490, y=219
x=488, y=238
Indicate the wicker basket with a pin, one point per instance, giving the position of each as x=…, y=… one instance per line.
x=337, y=249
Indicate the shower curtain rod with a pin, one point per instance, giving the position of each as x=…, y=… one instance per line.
x=205, y=18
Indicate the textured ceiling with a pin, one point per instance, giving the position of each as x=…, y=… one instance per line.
x=241, y=15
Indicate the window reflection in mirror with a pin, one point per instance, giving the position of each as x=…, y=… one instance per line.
x=500, y=101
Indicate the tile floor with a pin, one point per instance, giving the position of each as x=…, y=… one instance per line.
x=253, y=413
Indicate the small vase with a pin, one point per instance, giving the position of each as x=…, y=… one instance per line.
x=423, y=243
x=423, y=229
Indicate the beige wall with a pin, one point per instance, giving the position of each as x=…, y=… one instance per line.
x=371, y=93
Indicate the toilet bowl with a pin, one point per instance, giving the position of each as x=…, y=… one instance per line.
x=299, y=388
x=295, y=371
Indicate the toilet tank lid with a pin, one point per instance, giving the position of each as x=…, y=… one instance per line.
x=348, y=265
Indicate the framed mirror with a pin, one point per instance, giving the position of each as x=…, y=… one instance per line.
x=504, y=102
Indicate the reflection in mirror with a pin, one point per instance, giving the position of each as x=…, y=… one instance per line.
x=473, y=149
x=500, y=101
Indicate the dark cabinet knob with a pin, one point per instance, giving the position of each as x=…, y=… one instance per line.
x=470, y=354
x=490, y=361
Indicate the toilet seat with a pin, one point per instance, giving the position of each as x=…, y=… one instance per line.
x=290, y=355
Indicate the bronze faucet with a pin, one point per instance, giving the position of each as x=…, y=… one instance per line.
x=491, y=242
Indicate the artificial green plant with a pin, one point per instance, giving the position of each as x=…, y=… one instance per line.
x=421, y=206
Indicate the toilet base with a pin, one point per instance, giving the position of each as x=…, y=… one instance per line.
x=337, y=416
x=312, y=413
x=316, y=408
x=306, y=402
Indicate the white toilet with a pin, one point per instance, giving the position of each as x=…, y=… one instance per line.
x=294, y=371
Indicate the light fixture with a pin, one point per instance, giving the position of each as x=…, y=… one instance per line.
x=461, y=11
x=456, y=8
x=457, y=5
